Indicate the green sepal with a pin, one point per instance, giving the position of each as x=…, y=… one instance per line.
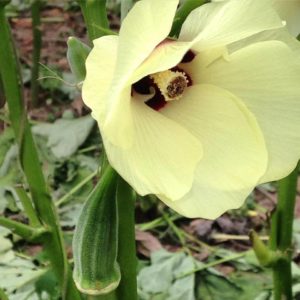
x=77, y=54
x=95, y=242
x=265, y=256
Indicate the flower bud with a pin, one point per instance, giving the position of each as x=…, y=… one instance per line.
x=77, y=54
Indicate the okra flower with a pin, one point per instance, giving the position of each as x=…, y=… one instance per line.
x=200, y=120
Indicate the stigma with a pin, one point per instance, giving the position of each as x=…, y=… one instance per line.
x=171, y=83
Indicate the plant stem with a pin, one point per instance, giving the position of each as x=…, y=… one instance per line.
x=182, y=13
x=76, y=188
x=281, y=236
x=176, y=230
x=197, y=241
x=37, y=44
x=127, y=289
x=160, y=221
x=30, y=163
x=212, y=264
x=28, y=207
x=27, y=232
x=95, y=17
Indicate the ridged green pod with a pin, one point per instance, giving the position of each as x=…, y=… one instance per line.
x=77, y=54
x=95, y=242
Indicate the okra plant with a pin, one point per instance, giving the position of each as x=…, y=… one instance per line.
x=197, y=102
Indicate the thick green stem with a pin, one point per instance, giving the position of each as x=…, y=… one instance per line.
x=95, y=17
x=281, y=236
x=127, y=289
x=182, y=13
x=37, y=44
x=30, y=163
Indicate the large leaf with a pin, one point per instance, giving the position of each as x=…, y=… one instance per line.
x=9, y=176
x=159, y=280
x=18, y=274
x=65, y=136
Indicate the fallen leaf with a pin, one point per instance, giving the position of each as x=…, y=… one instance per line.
x=65, y=136
x=201, y=227
x=147, y=243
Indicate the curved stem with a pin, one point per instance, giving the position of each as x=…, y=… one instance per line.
x=27, y=232
x=30, y=163
x=281, y=236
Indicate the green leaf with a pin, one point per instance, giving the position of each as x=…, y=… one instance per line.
x=9, y=176
x=252, y=285
x=159, y=279
x=213, y=287
x=65, y=136
x=18, y=274
x=237, y=285
x=248, y=262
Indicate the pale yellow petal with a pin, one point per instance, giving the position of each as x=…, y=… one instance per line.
x=289, y=11
x=234, y=153
x=281, y=35
x=222, y=23
x=200, y=31
x=266, y=77
x=100, y=66
x=167, y=55
x=118, y=127
x=147, y=24
x=162, y=158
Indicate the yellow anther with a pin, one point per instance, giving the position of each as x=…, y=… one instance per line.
x=171, y=83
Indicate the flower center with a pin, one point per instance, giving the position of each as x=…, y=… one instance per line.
x=171, y=83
